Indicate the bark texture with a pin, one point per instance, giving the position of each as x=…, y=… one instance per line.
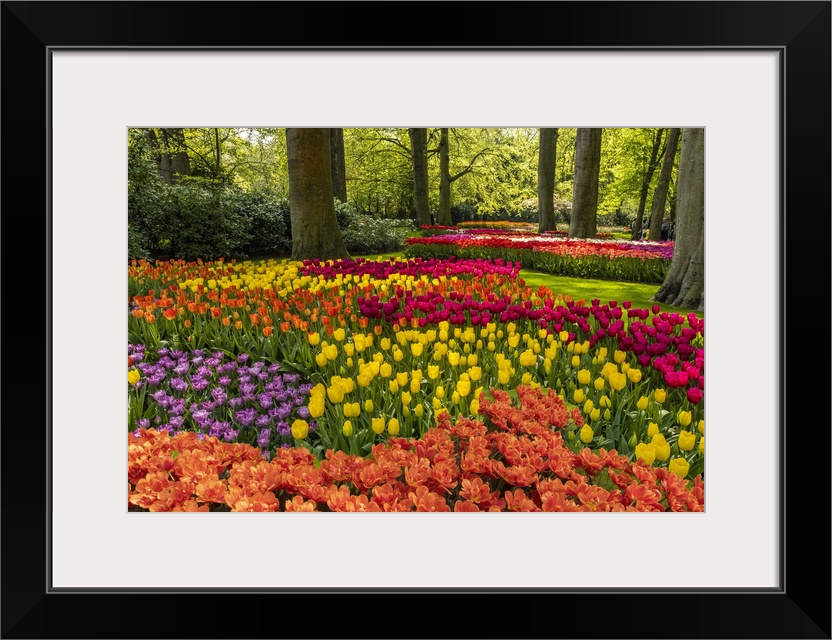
x=583, y=223
x=444, y=216
x=546, y=179
x=418, y=152
x=339, y=165
x=315, y=230
x=660, y=195
x=645, y=184
x=684, y=285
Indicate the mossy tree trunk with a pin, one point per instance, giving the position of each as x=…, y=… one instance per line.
x=419, y=155
x=546, y=179
x=660, y=195
x=315, y=230
x=583, y=223
x=684, y=285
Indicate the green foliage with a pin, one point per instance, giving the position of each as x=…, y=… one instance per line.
x=368, y=235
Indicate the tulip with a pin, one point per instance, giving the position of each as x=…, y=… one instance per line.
x=436, y=404
x=652, y=429
x=440, y=392
x=419, y=411
x=701, y=427
x=393, y=426
x=586, y=434
x=694, y=395
x=401, y=378
x=463, y=387
x=684, y=418
x=503, y=376
x=634, y=375
x=300, y=429
x=133, y=376
x=321, y=359
x=642, y=403
x=385, y=370
x=578, y=396
x=660, y=395
x=433, y=371
x=679, y=466
x=599, y=384
x=347, y=428
x=619, y=356
x=377, y=425
x=576, y=361
x=595, y=414
x=646, y=453
x=618, y=381
x=686, y=440
x=314, y=338
x=416, y=349
x=584, y=376
x=415, y=385
x=605, y=401
x=702, y=445
x=588, y=406
x=368, y=405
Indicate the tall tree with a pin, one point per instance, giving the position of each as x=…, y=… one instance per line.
x=585, y=190
x=660, y=195
x=418, y=152
x=315, y=230
x=546, y=179
x=446, y=179
x=684, y=285
x=645, y=184
x=339, y=167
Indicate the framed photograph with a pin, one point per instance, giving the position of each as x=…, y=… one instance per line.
x=754, y=75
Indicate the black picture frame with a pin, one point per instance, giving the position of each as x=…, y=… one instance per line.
x=800, y=608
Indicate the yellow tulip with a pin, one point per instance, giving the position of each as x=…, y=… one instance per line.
x=564, y=336
x=586, y=434
x=619, y=356
x=349, y=349
x=436, y=404
x=660, y=395
x=300, y=429
x=321, y=359
x=314, y=338
x=416, y=349
x=347, y=428
x=472, y=359
x=331, y=352
x=527, y=358
x=401, y=378
x=455, y=398
x=642, y=401
x=594, y=414
x=377, y=425
x=684, y=418
x=652, y=429
x=646, y=452
x=701, y=427
x=385, y=343
x=634, y=375
x=405, y=398
x=526, y=378
x=394, y=386
x=686, y=440
x=475, y=372
x=316, y=407
x=368, y=405
x=419, y=410
x=503, y=376
x=584, y=376
x=453, y=358
x=433, y=371
x=578, y=396
x=335, y=393
x=398, y=355
x=364, y=379
x=133, y=376
x=474, y=407
x=385, y=370
x=393, y=426
x=605, y=402
x=679, y=466
x=440, y=392
x=618, y=381
x=415, y=385
x=607, y=414
x=702, y=444
x=463, y=387
x=588, y=406
x=576, y=361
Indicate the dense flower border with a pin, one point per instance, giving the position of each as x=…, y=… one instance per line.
x=515, y=459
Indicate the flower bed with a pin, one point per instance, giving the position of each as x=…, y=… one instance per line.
x=346, y=356
x=552, y=253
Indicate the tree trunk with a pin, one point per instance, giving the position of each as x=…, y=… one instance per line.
x=339, y=166
x=645, y=185
x=546, y=179
x=171, y=159
x=418, y=152
x=315, y=230
x=585, y=189
x=684, y=285
x=444, y=216
x=660, y=195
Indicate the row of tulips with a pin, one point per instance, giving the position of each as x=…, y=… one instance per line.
x=388, y=346
x=513, y=458
x=551, y=253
